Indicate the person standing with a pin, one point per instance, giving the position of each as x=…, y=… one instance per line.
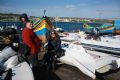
x=53, y=47
x=23, y=19
x=54, y=43
x=32, y=41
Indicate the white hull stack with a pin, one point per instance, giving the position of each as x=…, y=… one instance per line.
x=89, y=62
x=9, y=64
x=108, y=44
x=22, y=72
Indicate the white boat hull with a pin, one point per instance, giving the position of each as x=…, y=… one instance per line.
x=22, y=72
x=88, y=62
x=9, y=61
x=101, y=45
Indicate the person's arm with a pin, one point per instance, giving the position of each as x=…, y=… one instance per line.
x=38, y=41
x=58, y=44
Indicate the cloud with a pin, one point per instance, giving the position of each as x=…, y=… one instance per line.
x=70, y=7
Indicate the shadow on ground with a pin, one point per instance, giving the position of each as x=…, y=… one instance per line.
x=47, y=75
x=62, y=72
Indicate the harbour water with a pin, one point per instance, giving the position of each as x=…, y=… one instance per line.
x=70, y=26
x=67, y=26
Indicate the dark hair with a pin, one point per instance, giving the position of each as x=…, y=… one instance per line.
x=52, y=31
x=24, y=16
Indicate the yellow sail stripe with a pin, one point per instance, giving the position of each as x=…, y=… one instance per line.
x=43, y=25
x=38, y=19
x=40, y=23
x=38, y=26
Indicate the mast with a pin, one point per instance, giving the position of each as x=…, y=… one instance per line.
x=44, y=13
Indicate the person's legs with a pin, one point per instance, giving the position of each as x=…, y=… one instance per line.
x=33, y=60
x=46, y=58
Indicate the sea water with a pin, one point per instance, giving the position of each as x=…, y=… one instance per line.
x=67, y=26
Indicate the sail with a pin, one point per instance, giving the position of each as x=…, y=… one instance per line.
x=42, y=28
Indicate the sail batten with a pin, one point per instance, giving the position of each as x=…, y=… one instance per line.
x=42, y=28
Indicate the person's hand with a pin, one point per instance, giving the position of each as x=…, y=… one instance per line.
x=45, y=44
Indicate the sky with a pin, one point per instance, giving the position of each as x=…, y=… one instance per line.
x=63, y=8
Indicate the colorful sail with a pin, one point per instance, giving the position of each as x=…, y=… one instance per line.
x=42, y=27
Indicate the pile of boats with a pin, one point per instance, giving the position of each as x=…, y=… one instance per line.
x=12, y=67
x=78, y=53
x=107, y=43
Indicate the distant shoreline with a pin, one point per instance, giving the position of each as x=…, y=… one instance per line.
x=15, y=17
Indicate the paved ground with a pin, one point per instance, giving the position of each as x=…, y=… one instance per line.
x=67, y=72
x=64, y=72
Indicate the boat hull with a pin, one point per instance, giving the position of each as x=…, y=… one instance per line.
x=101, y=45
x=88, y=62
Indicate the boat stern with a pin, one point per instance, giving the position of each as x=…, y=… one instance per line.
x=115, y=64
